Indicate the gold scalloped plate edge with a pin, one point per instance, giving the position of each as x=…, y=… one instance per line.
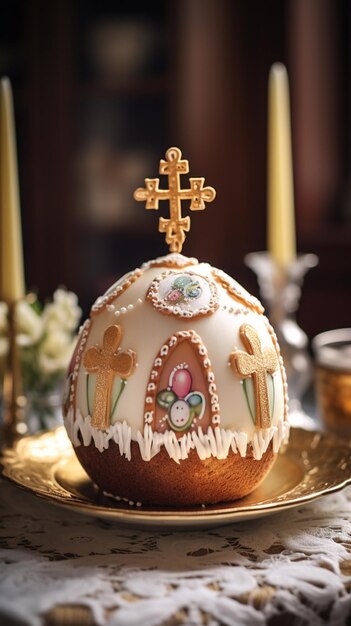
x=182, y=517
x=35, y=464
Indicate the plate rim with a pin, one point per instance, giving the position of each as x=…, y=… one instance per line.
x=180, y=516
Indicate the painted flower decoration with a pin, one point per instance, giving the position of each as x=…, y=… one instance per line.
x=184, y=289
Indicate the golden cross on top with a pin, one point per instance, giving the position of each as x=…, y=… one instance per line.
x=176, y=225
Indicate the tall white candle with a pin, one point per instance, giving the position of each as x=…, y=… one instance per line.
x=281, y=213
x=11, y=252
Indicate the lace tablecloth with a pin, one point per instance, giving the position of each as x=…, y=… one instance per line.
x=59, y=567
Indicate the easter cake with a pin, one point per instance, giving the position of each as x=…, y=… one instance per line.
x=176, y=392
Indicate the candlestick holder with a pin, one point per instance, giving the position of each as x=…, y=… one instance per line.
x=13, y=400
x=280, y=288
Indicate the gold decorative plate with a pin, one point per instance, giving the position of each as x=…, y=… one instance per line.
x=314, y=464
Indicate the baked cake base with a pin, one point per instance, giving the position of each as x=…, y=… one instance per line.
x=162, y=481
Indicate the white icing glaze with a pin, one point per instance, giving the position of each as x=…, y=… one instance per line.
x=217, y=442
x=146, y=330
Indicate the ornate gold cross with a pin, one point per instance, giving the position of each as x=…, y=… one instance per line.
x=255, y=363
x=107, y=362
x=176, y=225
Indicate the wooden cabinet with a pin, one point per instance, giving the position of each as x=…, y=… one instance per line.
x=103, y=89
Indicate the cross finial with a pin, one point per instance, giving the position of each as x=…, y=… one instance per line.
x=176, y=225
x=107, y=362
x=255, y=363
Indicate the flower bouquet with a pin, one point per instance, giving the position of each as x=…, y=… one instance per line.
x=46, y=336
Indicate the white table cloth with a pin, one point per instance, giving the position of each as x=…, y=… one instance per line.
x=289, y=568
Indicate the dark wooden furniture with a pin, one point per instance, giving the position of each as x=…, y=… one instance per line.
x=93, y=120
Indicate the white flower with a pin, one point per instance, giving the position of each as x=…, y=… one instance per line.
x=63, y=313
x=55, y=352
x=29, y=324
x=46, y=339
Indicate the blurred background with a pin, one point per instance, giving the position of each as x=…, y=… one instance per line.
x=103, y=88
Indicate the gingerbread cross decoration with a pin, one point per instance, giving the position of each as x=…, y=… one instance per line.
x=107, y=362
x=176, y=225
x=255, y=363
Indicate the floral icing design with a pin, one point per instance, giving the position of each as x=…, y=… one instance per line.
x=183, y=294
x=184, y=289
x=182, y=404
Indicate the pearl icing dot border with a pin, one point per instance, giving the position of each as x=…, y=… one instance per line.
x=104, y=301
x=111, y=308
x=236, y=291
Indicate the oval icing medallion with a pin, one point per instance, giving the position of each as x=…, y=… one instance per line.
x=183, y=294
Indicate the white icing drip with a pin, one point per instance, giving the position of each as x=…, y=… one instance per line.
x=241, y=442
x=216, y=442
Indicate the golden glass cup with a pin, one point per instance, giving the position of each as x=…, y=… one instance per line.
x=333, y=378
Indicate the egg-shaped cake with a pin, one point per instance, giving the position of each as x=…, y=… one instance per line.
x=176, y=392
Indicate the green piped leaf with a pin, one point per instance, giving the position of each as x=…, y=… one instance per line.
x=90, y=391
x=117, y=390
x=250, y=397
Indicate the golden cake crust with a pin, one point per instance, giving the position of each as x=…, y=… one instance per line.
x=162, y=481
